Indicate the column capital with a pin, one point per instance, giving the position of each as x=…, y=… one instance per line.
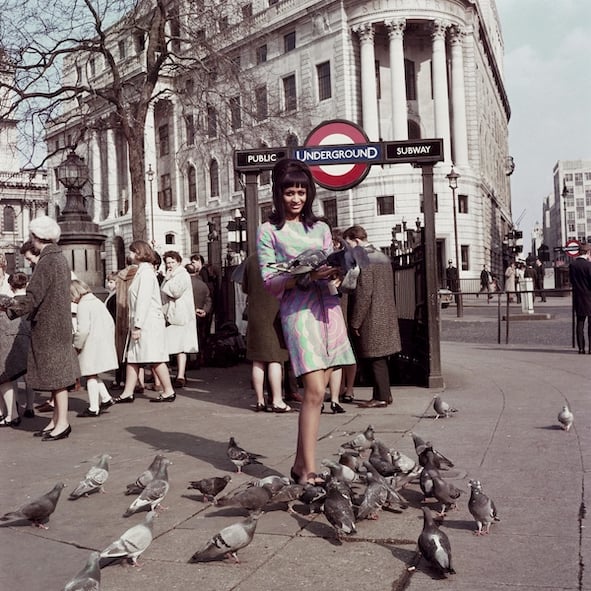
x=365, y=32
x=438, y=29
x=395, y=27
x=457, y=33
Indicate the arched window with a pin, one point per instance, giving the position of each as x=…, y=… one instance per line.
x=8, y=221
x=292, y=140
x=214, y=179
x=192, y=182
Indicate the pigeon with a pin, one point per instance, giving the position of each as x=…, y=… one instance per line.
x=154, y=492
x=380, y=462
x=276, y=482
x=145, y=477
x=428, y=472
x=288, y=494
x=442, y=408
x=94, y=479
x=565, y=418
x=313, y=496
x=228, y=541
x=482, y=508
x=446, y=493
x=210, y=487
x=402, y=462
x=350, y=459
x=132, y=542
x=37, y=511
x=375, y=497
x=437, y=458
x=419, y=443
x=251, y=499
x=338, y=509
x=361, y=441
x=89, y=578
x=393, y=495
x=340, y=471
x=240, y=457
x=434, y=545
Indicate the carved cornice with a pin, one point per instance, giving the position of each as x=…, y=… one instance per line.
x=395, y=28
x=365, y=32
x=438, y=29
x=457, y=34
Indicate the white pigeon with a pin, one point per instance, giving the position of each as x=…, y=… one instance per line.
x=154, y=493
x=442, y=408
x=132, y=543
x=89, y=578
x=94, y=480
x=566, y=418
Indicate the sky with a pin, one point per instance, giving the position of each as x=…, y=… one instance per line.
x=548, y=82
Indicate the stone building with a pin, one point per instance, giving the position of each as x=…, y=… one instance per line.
x=401, y=69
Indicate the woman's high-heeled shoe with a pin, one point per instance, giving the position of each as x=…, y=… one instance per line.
x=162, y=398
x=123, y=399
x=63, y=435
x=336, y=408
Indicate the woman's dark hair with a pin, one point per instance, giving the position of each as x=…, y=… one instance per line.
x=18, y=280
x=292, y=173
x=172, y=254
x=355, y=233
x=144, y=252
x=28, y=246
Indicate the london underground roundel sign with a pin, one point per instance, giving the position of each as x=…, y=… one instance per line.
x=331, y=142
x=572, y=248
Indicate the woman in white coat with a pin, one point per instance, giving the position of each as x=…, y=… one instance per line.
x=179, y=310
x=146, y=339
x=94, y=340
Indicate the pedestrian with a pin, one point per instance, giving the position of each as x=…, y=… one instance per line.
x=519, y=277
x=94, y=341
x=510, y=281
x=179, y=312
x=311, y=316
x=265, y=345
x=579, y=272
x=452, y=278
x=146, y=336
x=373, y=317
x=486, y=281
x=52, y=363
x=539, y=280
x=4, y=285
x=209, y=277
x=111, y=305
x=203, y=306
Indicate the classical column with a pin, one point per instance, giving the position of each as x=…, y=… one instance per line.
x=100, y=211
x=113, y=176
x=458, y=97
x=397, y=79
x=369, y=93
x=178, y=178
x=440, y=96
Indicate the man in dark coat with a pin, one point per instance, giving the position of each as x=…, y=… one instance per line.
x=203, y=305
x=373, y=318
x=52, y=363
x=579, y=272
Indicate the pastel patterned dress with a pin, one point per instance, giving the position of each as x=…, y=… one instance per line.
x=312, y=320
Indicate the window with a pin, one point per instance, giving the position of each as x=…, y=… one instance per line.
x=247, y=10
x=330, y=212
x=378, y=80
x=289, y=42
x=235, y=113
x=192, y=183
x=140, y=42
x=165, y=193
x=462, y=203
x=578, y=178
x=194, y=235
x=175, y=34
x=214, y=179
x=271, y=2
x=465, y=256
x=92, y=66
x=190, y=129
x=164, y=140
x=289, y=93
x=169, y=238
x=292, y=140
x=8, y=219
x=265, y=212
x=588, y=176
x=200, y=35
x=223, y=23
x=265, y=177
x=262, y=54
x=588, y=198
x=261, y=103
x=385, y=205
x=121, y=46
x=435, y=204
x=324, y=86
x=238, y=186
x=410, y=80
x=212, y=122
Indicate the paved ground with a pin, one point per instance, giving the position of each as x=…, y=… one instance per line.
x=504, y=435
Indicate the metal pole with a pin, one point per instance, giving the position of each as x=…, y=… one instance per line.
x=150, y=174
x=460, y=301
x=251, y=193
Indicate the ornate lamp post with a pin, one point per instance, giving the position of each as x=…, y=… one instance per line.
x=150, y=174
x=452, y=178
x=72, y=173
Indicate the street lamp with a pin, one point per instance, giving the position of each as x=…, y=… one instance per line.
x=452, y=178
x=72, y=173
x=150, y=174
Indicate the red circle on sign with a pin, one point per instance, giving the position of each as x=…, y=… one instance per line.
x=572, y=248
x=329, y=133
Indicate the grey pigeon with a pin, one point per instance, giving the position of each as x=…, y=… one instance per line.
x=566, y=418
x=228, y=541
x=210, y=487
x=419, y=443
x=313, y=496
x=393, y=495
x=288, y=494
x=154, y=493
x=350, y=459
x=37, y=511
x=89, y=578
x=338, y=509
x=94, y=480
x=482, y=508
x=437, y=458
x=402, y=462
x=434, y=545
x=340, y=471
x=276, y=482
x=375, y=497
x=381, y=461
x=132, y=543
x=251, y=499
x=446, y=493
x=442, y=408
x=428, y=472
x=361, y=441
x=145, y=477
x=240, y=457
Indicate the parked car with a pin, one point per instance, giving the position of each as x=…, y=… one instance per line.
x=446, y=297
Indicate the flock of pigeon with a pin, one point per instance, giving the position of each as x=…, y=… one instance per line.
x=369, y=476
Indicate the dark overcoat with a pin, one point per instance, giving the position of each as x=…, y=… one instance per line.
x=579, y=272
x=52, y=363
x=372, y=309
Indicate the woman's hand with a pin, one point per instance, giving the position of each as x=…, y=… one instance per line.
x=136, y=333
x=324, y=272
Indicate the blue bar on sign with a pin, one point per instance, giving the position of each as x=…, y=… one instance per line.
x=346, y=154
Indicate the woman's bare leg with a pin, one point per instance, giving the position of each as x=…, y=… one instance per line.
x=161, y=372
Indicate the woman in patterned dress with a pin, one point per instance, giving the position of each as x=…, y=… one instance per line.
x=311, y=315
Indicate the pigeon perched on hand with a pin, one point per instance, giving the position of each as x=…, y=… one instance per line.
x=145, y=477
x=37, y=511
x=442, y=408
x=434, y=545
x=566, y=418
x=482, y=508
x=361, y=441
x=240, y=457
x=132, y=543
x=228, y=541
x=94, y=480
x=251, y=499
x=89, y=578
x=154, y=493
x=210, y=487
x=446, y=493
